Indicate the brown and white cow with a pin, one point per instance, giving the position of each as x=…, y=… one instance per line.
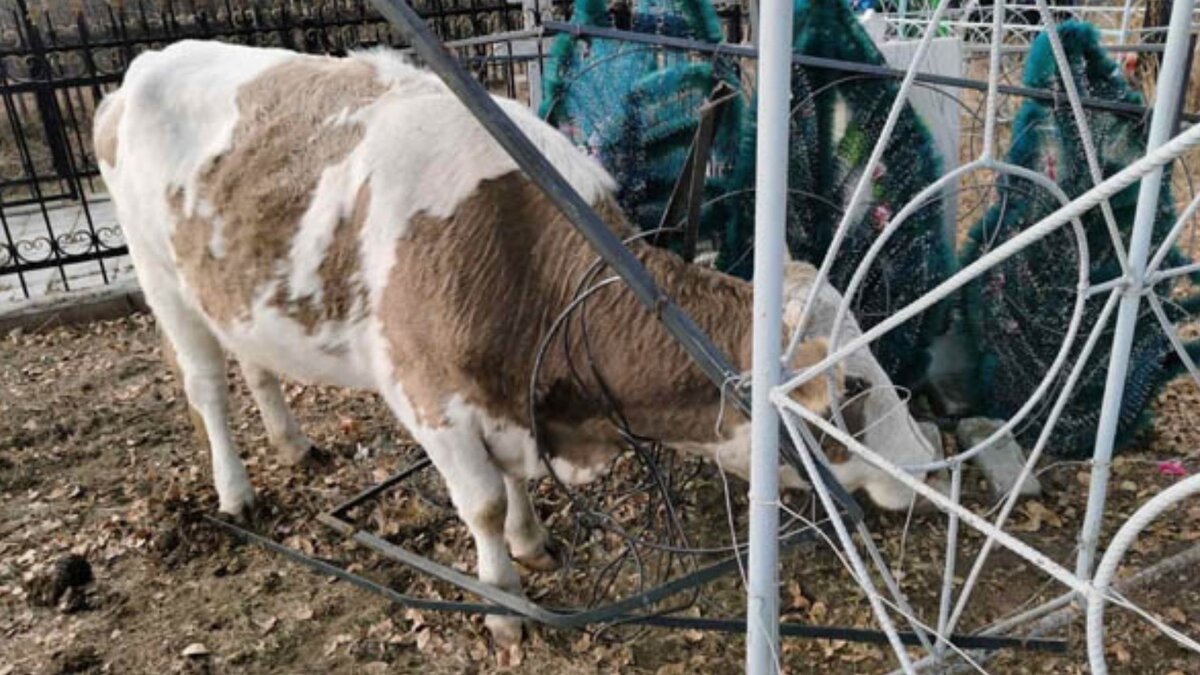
x=347, y=221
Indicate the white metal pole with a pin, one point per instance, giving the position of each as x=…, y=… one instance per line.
x=1162, y=126
x=770, y=214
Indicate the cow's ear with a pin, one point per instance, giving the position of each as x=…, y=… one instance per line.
x=855, y=386
x=854, y=415
x=854, y=406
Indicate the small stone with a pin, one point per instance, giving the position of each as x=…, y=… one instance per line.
x=1001, y=463
x=195, y=650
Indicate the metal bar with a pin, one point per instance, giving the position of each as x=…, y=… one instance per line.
x=1115, y=49
x=578, y=212
x=792, y=630
x=1170, y=90
x=746, y=51
x=371, y=492
x=947, y=596
x=1082, y=127
x=91, y=256
x=689, y=188
x=1133, y=526
x=513, y=601
x=1018, y=547
x=640, y=601
x=1010, y=501
x=770, y=250
x=1163, y=275
x=855, y=566
x=551, y=617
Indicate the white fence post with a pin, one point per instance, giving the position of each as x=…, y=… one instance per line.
x=1162, y=127
x=770, y=214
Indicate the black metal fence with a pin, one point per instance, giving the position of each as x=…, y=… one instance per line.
x=57, y=229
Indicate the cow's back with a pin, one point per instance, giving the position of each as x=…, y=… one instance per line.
x=273, y=189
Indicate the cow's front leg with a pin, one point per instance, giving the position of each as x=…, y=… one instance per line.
x=527, y=537
x=477, y=489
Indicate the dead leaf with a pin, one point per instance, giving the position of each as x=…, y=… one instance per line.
x=416, y=617
x=303, y=613
x=423, y=638
x=337, y=641
x=582, y=645
x=511, y=657
x=796, y=596
x=266, y=623
x=478, y=650
x=195, y=650
x=1120, y=652
x=1038, y=515
x=818, y=611
x=348, y=426
x=1175, y=614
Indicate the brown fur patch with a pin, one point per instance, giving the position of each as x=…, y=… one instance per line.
x=262, y=186
x=342, y=292
x=490, y=519
x=105, y=140
x=471, y=296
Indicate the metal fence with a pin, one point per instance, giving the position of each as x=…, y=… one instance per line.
x=57, y=228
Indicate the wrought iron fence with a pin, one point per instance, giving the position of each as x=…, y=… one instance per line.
x=57, y=61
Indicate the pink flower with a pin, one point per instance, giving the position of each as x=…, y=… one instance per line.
x=1172, y=467
x=881, y=215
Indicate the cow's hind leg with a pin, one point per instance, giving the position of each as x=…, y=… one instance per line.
x=527, y=537
x=283, y=431
x=201, y=362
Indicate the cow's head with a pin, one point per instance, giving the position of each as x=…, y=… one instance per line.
x=870, y=407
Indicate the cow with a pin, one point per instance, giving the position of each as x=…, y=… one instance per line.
x=346, y=221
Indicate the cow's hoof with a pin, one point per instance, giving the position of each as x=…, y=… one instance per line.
x=507, y=632
x=301, y=453
x=315, y=458
x=246, y=512
x=545, y=559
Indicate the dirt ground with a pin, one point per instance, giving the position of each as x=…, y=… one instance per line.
x=97, y=458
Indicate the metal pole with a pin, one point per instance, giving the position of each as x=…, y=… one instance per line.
x=770, y=214
x=1162, y=123
x=754, y=23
